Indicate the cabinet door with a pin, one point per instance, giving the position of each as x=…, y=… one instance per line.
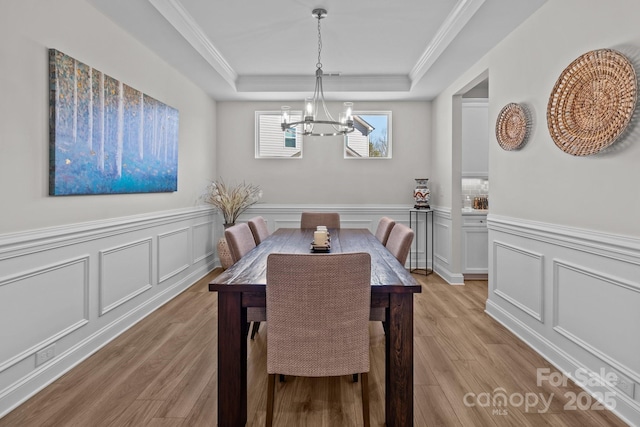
x=475, y=250
x=475, y=138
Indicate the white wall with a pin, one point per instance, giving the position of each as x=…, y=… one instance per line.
x=75, y=272
x=27, y=29
x=540, y=181
x=564, y=238
x=323, y=176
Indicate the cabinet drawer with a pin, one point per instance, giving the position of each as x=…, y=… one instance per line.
x=474, y=220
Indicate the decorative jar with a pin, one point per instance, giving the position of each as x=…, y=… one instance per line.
x=422, y=194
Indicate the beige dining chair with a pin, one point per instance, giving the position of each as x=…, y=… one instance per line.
x=321, y=329
x=259, y=229
x=384, y=228
x=399, y=244
x=314, y=219
x=240, y=240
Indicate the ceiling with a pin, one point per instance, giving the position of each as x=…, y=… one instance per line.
x=372, y=49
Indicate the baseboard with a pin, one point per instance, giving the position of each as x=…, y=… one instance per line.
x=476, y=276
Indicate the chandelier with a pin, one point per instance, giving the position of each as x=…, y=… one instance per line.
x=310, y=119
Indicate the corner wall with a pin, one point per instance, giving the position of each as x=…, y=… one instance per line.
x=77, y=271
x=564, y=238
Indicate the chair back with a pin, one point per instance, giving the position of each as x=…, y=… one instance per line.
x=399, y=242
x=321, y=328
x=259, y=229
x=314, y=219
x=240, y=240
x=384, y=228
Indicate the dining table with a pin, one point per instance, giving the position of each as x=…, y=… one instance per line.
x=243, y=285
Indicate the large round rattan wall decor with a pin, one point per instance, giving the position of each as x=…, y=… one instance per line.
x=512, y=127
x=592, y=102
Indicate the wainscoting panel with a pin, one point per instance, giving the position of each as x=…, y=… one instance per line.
x=583, y=289
x=203, y=244
x=174, y=254
x=604, y=300
x=125, y=272
x=25, y=331
x=72, y=289
x=518, y=278
x=443, y=236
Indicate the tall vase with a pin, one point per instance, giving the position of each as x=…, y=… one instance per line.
x=224, y=254
x=421, y=194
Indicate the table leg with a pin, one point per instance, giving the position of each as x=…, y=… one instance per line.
x=232, y=360
x=399, y=361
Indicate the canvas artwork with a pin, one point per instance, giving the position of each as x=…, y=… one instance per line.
x=106, y=137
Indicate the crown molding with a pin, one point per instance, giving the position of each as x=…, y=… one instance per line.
x=297, y=83
x=183, y=22
x=450, y=28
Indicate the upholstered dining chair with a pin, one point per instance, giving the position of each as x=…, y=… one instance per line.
x=240, y=240
x=259, y=229
x=384, y=228
x=320, y=329
x=314, y=219
x=399, y=244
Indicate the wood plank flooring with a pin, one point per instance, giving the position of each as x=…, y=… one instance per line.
x=162, y=372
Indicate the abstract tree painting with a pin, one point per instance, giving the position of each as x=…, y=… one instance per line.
x=106, y=137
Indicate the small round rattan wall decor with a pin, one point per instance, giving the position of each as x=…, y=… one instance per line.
x=592, y=102
x=512, y=127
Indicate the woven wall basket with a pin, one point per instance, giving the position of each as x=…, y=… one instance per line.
x=512, y=127
x=592, y=102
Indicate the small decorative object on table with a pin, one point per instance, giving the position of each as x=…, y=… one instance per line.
x=321, y=240
x=231, y=200
x=421, y=194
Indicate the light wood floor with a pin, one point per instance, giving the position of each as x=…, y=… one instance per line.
x=162, y=372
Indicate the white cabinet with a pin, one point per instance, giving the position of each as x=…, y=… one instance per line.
x=475, y=244
x=475, y=137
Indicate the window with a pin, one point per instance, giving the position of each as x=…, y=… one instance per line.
x=371, y=138
x=272, y=142
x=290, y=138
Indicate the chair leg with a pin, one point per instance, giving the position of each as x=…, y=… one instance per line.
x=365, y=399
x=254, y=330
x=270, y=396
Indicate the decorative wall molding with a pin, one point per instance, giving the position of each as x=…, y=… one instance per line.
x=202, y=241
x=125, y=271
x=69, y=268
x=42, y=279
x=590, y=293
x=610, y=347
x=173, y=253
x=530, y=279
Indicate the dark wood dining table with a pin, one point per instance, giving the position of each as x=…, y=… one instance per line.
x=243, y=285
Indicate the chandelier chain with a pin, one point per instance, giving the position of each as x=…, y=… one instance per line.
x=319, y=63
